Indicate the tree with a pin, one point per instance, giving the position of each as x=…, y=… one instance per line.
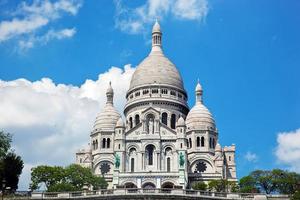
x=13, y=166
x=285, y=182
x=5, y=140
x=248, y=185
x=199, y=186
x=46, y=175
x=264, y=180
x=217, y=185
x=71, y=178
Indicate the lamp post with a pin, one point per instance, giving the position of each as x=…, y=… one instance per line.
x=3, y=187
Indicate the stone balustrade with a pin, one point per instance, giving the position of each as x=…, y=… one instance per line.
x=135, y=193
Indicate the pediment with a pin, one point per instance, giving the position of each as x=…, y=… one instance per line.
x=166, y=131
x=134, y=132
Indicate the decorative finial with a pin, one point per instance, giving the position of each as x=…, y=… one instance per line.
x=109, y=94
x=156, y=38
x=198, y=92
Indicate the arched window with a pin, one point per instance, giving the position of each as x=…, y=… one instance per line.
x=96, y=147
x=190, y=140
x=181, y=145
x=198, y=141
x=173, y=121
x=210, y=143
x=187, y=144
x=108, y=143
x=213, y=143
x=202, y=141
x=137, y=119
x=168, y=164
x=229, y=158
x=132, y=165
x=164, y=118
x=149, y=154
x=130, y=122
x=119, y=146
x=103, y=143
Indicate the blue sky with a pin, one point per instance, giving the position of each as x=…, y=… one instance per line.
x=245, y=53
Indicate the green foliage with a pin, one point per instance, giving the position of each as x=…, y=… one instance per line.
x=285, y=182
x=296, y=195
x=270, y=181
x=73, y=177
x=248, y=185
x=223, y=185
x=217, y=185
x=199, y=186
x=264, y=180
x=5, y=140
x=11, y=165
x=61, y=187
x=46, y=175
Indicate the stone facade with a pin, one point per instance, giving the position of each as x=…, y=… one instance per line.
x=162, y=143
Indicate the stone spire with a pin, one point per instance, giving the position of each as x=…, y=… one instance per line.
x=156, y=38
x=198, y=92
x=109, y=94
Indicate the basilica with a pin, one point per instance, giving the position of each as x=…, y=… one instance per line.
x=160, y=142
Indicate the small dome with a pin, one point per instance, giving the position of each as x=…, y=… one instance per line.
x=156, y=27
x=120, y=122
x=199, y=118
x=180, y=122
x=107, y=119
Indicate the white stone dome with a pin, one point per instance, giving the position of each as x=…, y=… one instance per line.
x=156, y=69
x=180, y=121
x=199, y=117
x=107, y=119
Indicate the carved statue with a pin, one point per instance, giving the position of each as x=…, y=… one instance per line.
x=117, y=161
x=181, y=159
x=151, y=126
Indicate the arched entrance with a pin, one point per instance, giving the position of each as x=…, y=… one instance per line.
x=168, y=185
x=130, y=185
x=148, y=185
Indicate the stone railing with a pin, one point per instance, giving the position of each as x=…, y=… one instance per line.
x=177, y=193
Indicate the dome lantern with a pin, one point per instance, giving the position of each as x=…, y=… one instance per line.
x=198, y=92
x=156, y=38
x=109, y=94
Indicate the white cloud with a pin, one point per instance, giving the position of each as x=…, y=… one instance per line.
x=49, y=121
x=28, y=20
x=251, y=157
x=44, y=39
x=133, y=20
x=288, y=149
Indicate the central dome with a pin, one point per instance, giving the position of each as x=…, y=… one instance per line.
x=156, y=68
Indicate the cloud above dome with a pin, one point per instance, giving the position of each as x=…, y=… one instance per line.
x=134, y=20
x=42, y=115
